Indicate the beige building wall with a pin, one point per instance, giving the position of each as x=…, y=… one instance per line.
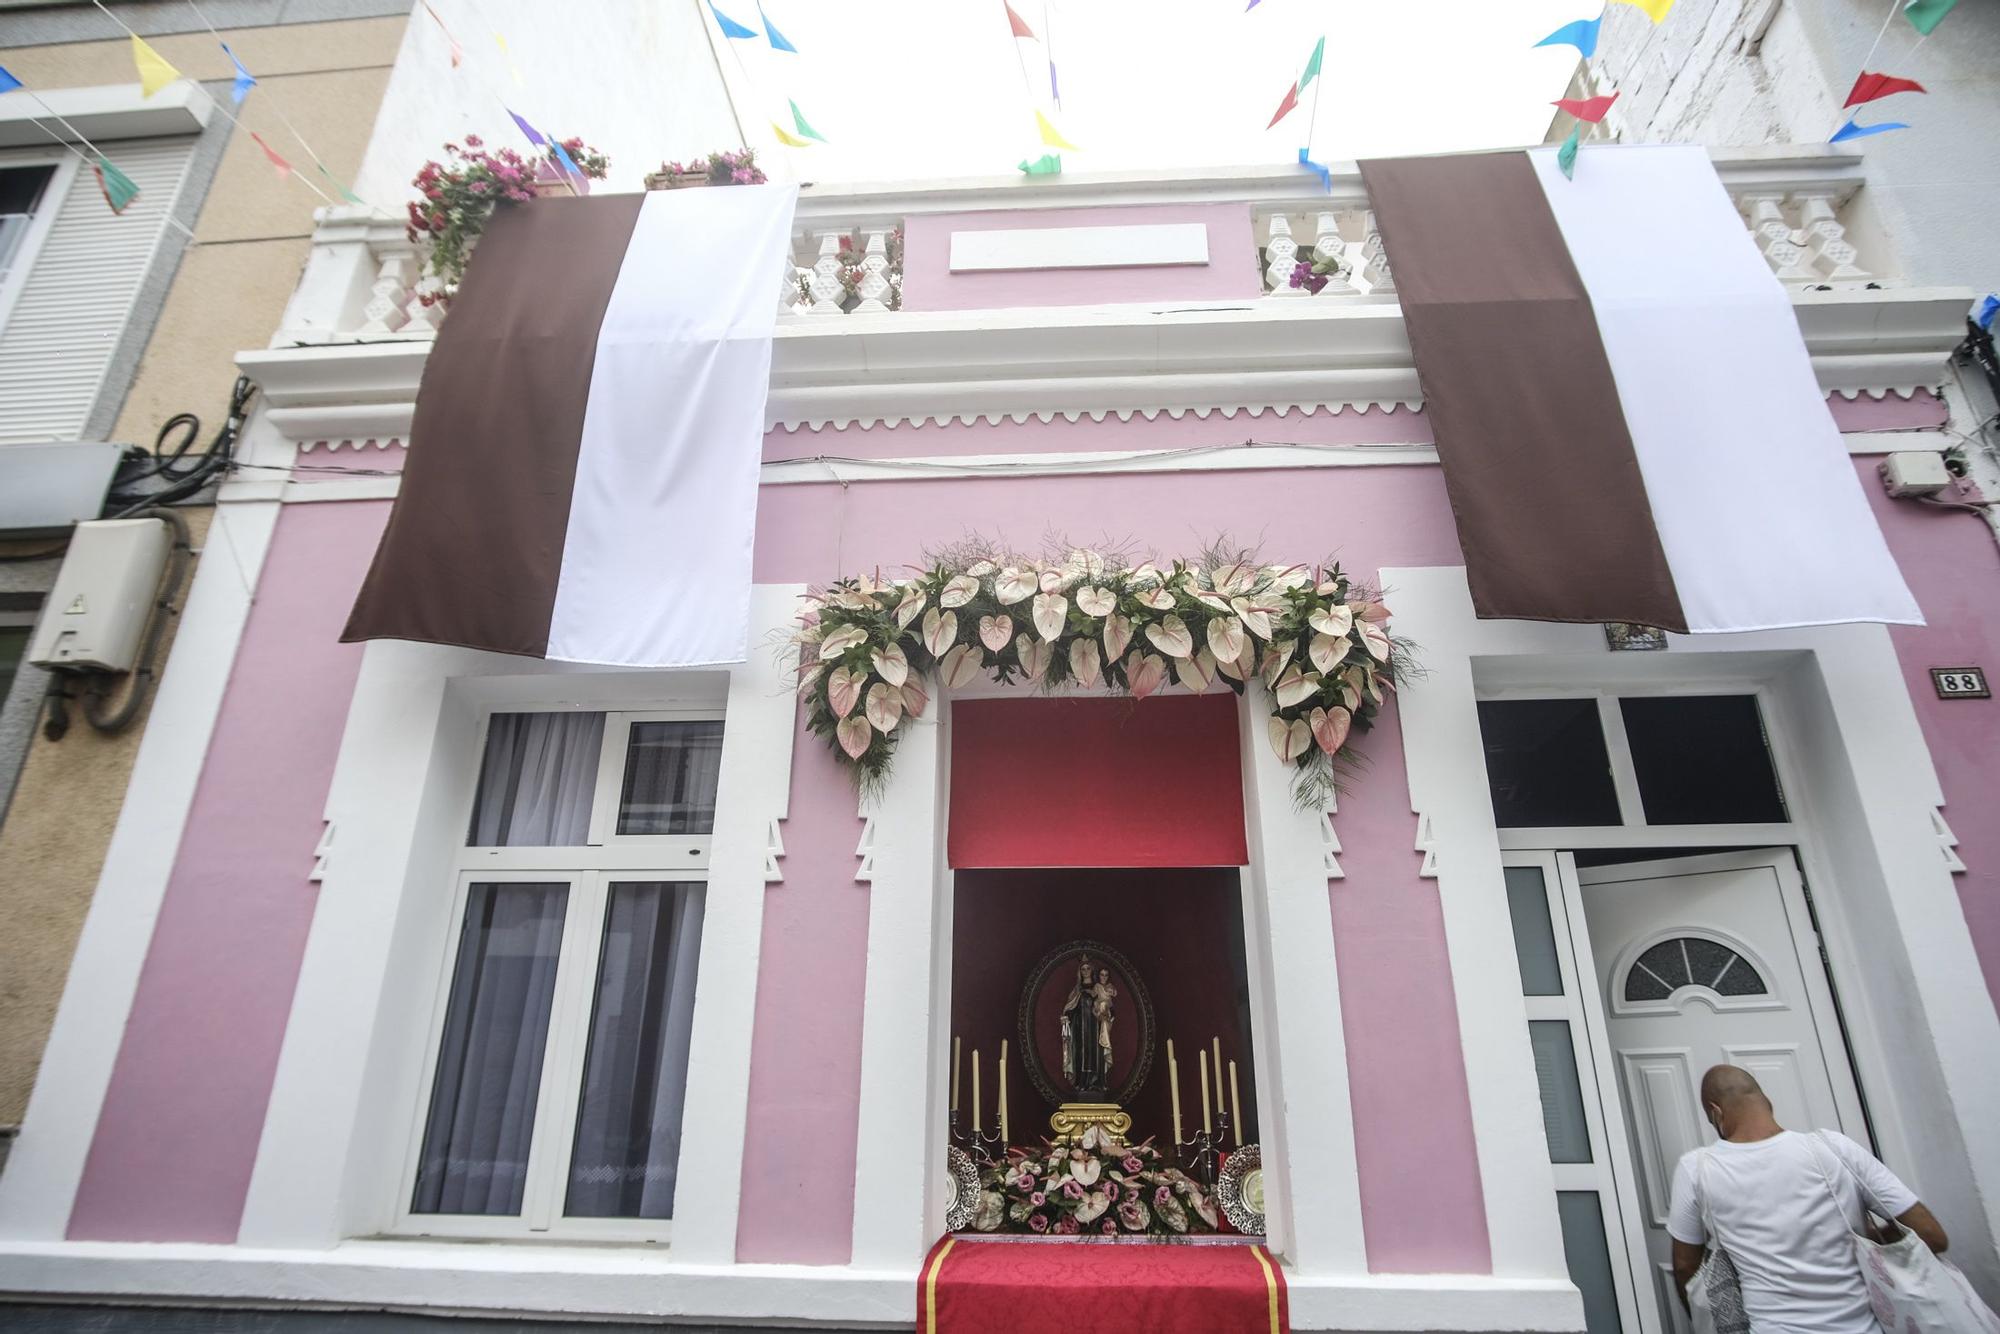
x=251, y=239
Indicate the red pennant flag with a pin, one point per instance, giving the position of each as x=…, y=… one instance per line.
x=1287, y=106
x=284, y=167
x=1014, y=20
x=1869, y=87
x=1591, y=109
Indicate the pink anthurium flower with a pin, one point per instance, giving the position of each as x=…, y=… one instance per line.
x=1372, y=611
x=854, y=734
x=1117, y=634
x=1012, y=585
x=996, y=631
x=1096, y=601
x=1225, y=638
x=940, y=631
x=1083, y=662
x=1326, y=651
x=1330, y=728
x=1335, y=620
x=891, y=664
x=1197, y=672
x=885, y=707
x=843, y=690
x=841, y=640
x=911, y=607
x=1145, y=674
x=1376, y=640
x=958, y=667
x=958, y=590
x=1289, y=739
x=1035, y=656
x=1051, y=581
x=1170, y=636
x=915, y=698
x=1050, y=609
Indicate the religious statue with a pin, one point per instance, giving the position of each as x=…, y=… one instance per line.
x=1087, y=1017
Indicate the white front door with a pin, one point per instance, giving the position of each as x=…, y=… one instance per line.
x=1703, y=961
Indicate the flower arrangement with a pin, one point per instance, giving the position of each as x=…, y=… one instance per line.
x=457, y=196
x=1314, y=274
x=737, y=168
x=1318, y=642
x=1097, y=1186
x=853, y=251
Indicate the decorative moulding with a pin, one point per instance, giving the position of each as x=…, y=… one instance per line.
x=1427, y=845
x=1227, y=413
x=774, y=850
x=1947, y=842
x=1329, y=837
x=865, y=849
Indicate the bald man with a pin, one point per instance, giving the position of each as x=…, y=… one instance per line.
x=1783, y=1206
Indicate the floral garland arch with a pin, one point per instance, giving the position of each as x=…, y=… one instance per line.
x=1319, y=644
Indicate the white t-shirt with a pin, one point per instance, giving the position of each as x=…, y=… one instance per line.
x=1775, y=1217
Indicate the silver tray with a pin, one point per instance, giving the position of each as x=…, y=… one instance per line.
x=961, y=1187
x=1239, y=1189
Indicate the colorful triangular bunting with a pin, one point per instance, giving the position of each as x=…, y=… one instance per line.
x=284, y=167
x=1925, y=15
x=154, y=71
x=1582, y=34
x=1873, y=87
x=1312, y=66
x=799, y=123
x=8, y=83
x=1566, y=155
x=1048, y=164
x=1590, y=109
x=119, y=189
x=1324, y=173
x=787, y=138
x=1656, y=10
x=730, y=27
x=1287, y=106
x=1855, y=130
x=771, y=33
x=245, y=80
x=1050, y=136
x=1014, y=21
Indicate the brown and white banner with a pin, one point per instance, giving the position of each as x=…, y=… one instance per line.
x=582, y=481
x=1627, y=416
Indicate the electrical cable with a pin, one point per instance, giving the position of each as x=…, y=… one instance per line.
x=181, y=483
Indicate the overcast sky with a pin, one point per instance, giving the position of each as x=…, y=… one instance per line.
x=926, y=88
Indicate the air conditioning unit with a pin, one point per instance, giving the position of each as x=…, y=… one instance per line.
x=103, y=595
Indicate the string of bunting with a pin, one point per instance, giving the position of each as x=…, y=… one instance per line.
x=550, y=147
x=802, y=134
x=118, y=189
x=1869, y=86
x=1583, y=34
x=1048, y=164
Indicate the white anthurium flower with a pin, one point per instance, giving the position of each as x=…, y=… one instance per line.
x=1295, y=686
x=1256, y=614
x=841, y=640
x=940, y=631
x=1197, y=672
x=1288, y=577
x=979, y=569
x=1372, y=683
x=1335, y=620
x=1376, y=640
x=911, y=607
x=1090, y=561
x=1349, y=696
x=915, y=698
x=1096, y=601
x=1213, y=601
x=1051, y=580
x=1328, y=587
x=1157, y=597
x=853, y=599
x=958, y=590
x=1372, y=611
x=1144, y=574
x=1050, y=609
x=1013, y=585
x=1330, y=728
x=808, y=674
x=1145, y=674
x=1234, y=579
x=843, y=690
x=996, y=631
x=1087, y=1172
x=1289, y=739
x=1235, y=668
x=1225, y=638
x=1117, y=634
x=1084, y=665
x=854, y=734
x=1171, y=636
x=892, y=665
x=958, y=667
x=1035, y=656
x=1326, y=651
x=884, y=708
x=1092, y=1206
x=1275, y=658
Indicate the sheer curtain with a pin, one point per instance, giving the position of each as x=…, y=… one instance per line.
x=628, y=1124
x=671, y=769
x=482, y=1115
x=536, y=779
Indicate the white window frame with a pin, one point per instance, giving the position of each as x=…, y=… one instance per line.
x=590, y=870
x=66, y=169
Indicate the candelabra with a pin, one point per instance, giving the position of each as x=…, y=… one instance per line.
x=980, y=1143
x=1201, y=1154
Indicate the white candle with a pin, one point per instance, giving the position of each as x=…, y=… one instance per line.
x=1003, y=1091
x=1235, y=1106
x=1174, y=1087
x=954, y=1074
x=1207, y=1127
x=975, y=1088
x=1217, y=1067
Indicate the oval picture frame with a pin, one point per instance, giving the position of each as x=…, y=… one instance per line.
x=1052, y=965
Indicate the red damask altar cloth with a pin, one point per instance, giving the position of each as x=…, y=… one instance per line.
x=991, y=1287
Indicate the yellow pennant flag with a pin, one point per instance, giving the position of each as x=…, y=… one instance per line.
x=1656, y=10
x=788, y=140
x=154, y=71
x=1049, y=135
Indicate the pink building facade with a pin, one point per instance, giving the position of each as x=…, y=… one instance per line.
x=1474, y=1068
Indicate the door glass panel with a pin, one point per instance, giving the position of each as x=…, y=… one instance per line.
x=1702, y=759
x=536, y=781
x=1589, y=1258
x=628, y=1124
x=670, y=775
x=1562, y=1092
x=1534, y=937
x=489, y=1072
x=1546, y=763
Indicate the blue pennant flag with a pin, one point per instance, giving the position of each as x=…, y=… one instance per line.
x=535, y=136
x=777, y=39
x=245, y=80
x=8, y=83
x=1989, y=306
x=730, y=27
x=1325, y=174
x=1581, y=34
x=578, y=181
x=1856, y=130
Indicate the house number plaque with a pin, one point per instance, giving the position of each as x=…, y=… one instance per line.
x=1960, y=682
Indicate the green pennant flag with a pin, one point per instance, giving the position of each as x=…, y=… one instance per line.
x=1566, y=155
x=119, y=189
x=345, y=193
x=1048, y=164
x=1312, y=66
x=1925, y=15
x=798, y=118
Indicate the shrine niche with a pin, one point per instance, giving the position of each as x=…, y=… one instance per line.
x=1086, y=1032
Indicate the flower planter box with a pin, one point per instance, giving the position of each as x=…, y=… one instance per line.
x=676, y=180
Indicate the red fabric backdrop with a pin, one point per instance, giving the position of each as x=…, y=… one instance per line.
x=1096, y=782
x=971, y=1287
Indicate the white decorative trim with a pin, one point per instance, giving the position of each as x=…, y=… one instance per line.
x=105, y=112
x=322, y=853
x=1947, y=842
x=1427, y=867
x=864, y=873
x=1329, y=837
x=1114, y=246
x=1228, y=412
x=1216, y=458
x=774, y=851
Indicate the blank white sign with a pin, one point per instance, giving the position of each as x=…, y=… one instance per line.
x=1146, y=245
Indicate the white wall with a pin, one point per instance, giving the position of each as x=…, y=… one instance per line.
x=1742, y=72
x=635, y=78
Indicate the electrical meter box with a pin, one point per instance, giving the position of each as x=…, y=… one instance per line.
x=109, y=581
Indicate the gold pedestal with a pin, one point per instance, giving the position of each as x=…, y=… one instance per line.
x=1070, y=1120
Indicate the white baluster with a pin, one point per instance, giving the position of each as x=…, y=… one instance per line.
x=1330, y=248
x=1281, y=257
x=1785, y=255
x=874, y=288
x=424, y=319
x=826, y=289
x=1375, y=269
x=389, y=295
x=790, y=297
x=1826, y=239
